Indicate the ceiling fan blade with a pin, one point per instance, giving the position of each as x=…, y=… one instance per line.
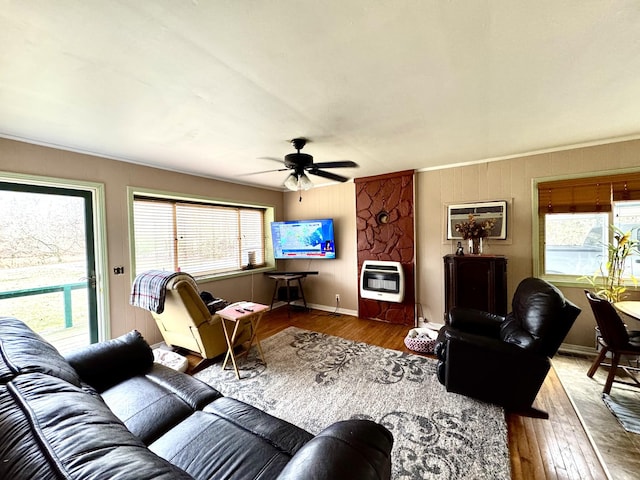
x=273, y=159
x=263, y=171
x=337, y=164
x=329, y=175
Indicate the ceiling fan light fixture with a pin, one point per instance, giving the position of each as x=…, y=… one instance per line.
x=305, y=182
x=301, y=165
x=292, y=182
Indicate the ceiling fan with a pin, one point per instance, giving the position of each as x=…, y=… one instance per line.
x=302, y=163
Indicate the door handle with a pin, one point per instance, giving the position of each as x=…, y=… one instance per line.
x=91, y=280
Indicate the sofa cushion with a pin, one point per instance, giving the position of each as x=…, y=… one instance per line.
x=151, y=404
x=194, y=392
x=284, y=435
x=231, y=437
x=58, y=431
x=146, y=409
x=24, y=351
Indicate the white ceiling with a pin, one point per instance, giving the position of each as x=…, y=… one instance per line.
x=209, y=87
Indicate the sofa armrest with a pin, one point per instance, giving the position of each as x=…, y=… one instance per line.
x=105, y=364
x=345, y=450
x=475, y=321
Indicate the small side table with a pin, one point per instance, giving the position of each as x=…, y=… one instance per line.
x=236, y=313
x=288, y=278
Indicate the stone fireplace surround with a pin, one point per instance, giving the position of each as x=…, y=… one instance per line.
x=385, y=232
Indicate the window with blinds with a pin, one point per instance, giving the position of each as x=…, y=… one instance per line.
x=574, y=219
x=198, y=238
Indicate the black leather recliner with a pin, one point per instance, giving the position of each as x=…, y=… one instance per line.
x=504, y=360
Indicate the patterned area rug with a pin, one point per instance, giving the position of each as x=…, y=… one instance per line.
x=626, y=410
x=313, y=379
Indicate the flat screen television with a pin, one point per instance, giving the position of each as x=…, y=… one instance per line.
x=303, y=239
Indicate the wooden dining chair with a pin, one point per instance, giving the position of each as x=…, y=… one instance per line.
x=613, y=338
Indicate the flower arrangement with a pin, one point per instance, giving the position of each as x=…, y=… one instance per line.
x=610, y=282
x=472, y=229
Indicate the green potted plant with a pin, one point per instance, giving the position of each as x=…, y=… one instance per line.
x=609, y=283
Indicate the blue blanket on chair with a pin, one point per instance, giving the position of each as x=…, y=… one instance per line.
x=148, y=290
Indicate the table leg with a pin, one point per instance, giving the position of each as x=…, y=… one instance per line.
x=288, y=298
x=302, y=294
x=255, y=337
x=255, y=322
x=230, y=342
x=275, y=294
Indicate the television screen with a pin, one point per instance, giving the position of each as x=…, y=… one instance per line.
x=308, y=239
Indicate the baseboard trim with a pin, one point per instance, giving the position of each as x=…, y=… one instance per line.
x=572, y=349
x=327, y=308
x=317, y=306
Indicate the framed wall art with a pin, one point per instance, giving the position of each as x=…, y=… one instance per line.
x=482, y=211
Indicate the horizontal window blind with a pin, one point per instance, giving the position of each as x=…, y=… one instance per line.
x=154, y=233
x=252, y=228
x=197, y=238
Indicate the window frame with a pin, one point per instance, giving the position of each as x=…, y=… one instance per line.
x=268, y=217
x=538, y=229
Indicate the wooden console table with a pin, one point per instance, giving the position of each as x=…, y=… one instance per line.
x=235, y=313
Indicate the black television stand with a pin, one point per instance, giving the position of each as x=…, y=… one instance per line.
x=287, y=278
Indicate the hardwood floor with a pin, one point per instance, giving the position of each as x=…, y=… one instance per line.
x=557, y=448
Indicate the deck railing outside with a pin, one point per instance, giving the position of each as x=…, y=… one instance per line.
x=64, y=288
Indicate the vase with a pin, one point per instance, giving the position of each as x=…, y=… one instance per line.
x=475, y=246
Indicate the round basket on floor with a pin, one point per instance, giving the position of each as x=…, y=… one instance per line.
x=170, y=359
x=422, y=340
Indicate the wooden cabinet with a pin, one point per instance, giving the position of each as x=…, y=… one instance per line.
x=476, y=281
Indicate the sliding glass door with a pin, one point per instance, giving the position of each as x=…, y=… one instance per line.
x=48, y=262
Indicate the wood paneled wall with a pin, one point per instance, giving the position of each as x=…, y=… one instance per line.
x=510, y=179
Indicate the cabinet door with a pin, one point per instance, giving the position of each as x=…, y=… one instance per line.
x=474, y=285
x=476, y=282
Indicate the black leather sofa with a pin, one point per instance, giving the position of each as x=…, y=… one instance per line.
x=109, y=412
x=505, y=359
